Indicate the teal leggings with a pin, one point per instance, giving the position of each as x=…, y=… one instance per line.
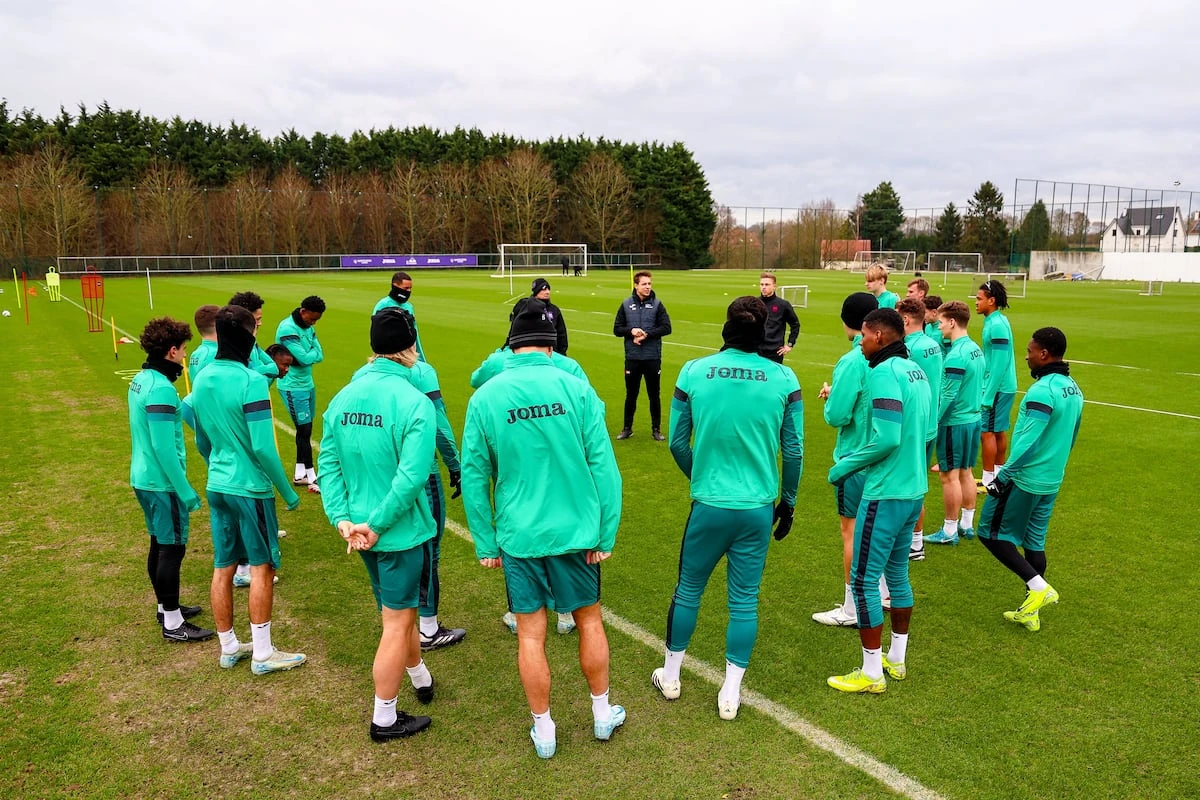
x=741, y=536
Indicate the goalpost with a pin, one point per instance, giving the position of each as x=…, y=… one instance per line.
x=1014, y=282
x=797, y=295
x=1153, y=289
x=946, y=263
x=541, y=260
x=894, y=260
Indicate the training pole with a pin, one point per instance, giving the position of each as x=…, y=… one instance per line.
x=25, y=291
x=112, y=323
x=149, y=290
x=17, y=288
x=274, y=432
x=187, y=383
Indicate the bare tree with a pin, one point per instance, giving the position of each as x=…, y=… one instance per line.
x=520, y=192
x=408, y=186
x=376, y=213
x=57, y=214
x=169, y=209
x=291, y=197
x=456, y=208
x=343, y=199
x=601, y=201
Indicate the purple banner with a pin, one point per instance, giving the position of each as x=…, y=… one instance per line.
x=366, y=262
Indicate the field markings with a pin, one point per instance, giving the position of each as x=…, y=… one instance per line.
x=886, y=774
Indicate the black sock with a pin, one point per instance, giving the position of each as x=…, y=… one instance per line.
x=304, y=452
x=1008, y=555
x=166, y=580
x=1037, y=560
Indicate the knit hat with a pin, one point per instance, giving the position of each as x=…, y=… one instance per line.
x=745, y=324
x=392, y=331
x=539, y=284
x=532, y=327
x=856, y=307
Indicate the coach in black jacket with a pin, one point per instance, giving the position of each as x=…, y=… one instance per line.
x=642, y=320
x=540, y=290
x=780, y=315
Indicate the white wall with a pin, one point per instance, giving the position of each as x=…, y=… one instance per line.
x=1170, y=267
x=1043, y=261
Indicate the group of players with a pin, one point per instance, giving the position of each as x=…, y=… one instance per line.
x=535, y=423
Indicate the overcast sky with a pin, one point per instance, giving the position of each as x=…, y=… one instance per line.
x=783, y=103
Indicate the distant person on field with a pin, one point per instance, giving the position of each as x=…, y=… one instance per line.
x=259, y=361
x=847, y=408
x=1021, y=498
x=642, y=321
x=893, y=460
x=731, y=414
x=206, y=321
x=958, y=424
x=876, y=281
x=926, y=354
x=377, y=444
x=566, y=265
x=540, y=290
x=297, y=333
x=780, y=315
x=235, y=435
x=1000, y=375
x=400, y=296
x=423, y=377
x=531, y=431
x=918, y=289
x=158, y=471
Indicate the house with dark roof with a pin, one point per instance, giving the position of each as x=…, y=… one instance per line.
x=1153, y=229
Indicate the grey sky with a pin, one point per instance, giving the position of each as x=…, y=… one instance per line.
x=782, y=103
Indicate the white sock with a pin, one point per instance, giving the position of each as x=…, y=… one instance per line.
x=243, y=569
x=989, y=475
x=873, y=663
x=600, y=708
x=229, y=642
x=732, y=688
x=299, y=473
x=310, y=474
x=419, y=675
x=543, y=726
x=429, y=625
x=996, y=471
x=968, y=518
x=899, y=648
x=884, y=594
x=385, y=712
x=566, y=619
x=671, y=665
x=848, y=601
x=1037, y=583
x=261, y=636
x=160, y=609
x=172, y=619
x=950, y=526
x=918, y=542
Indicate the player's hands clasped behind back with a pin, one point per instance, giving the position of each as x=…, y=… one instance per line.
x=784, y=516
x=456, y=483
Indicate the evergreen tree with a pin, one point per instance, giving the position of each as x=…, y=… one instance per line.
x=1034, y=232
x=985, y=229
x=948, y=231
x=880, y=217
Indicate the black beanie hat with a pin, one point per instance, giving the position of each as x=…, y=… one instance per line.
x=539, y=284
x=856, y=307
x=532, y=327
x=392, y=331
x=745, y=324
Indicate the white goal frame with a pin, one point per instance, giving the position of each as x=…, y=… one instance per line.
x=1011, y=280
x=940, y=262
x=1153, y=289
x=539, y=260
x=796, y=294
x=894, y=260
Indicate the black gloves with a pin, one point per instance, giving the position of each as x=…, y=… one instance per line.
x=999, y=489
x=456, y=483
x=784, y=514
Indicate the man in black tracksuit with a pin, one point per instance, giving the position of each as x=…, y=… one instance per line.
x=780, y=315
x=642, y=321
x=540, y=290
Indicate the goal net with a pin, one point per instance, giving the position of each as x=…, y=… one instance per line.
x=1153, y=289
x=542, y=259
x=1014, y=282
x=796, y=295
x=954, y=262
x=894, y=260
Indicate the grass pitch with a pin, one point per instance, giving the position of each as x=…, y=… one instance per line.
x=1103, y=702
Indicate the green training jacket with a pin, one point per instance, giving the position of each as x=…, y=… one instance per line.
x=424, y=378
x=962, y=383
x=159, y=461
x=999, y=358
x=378, y=441
x=928, y=355
x=306, y=350
x=1046, y=429
x=846, y=408
x=494, y=364
x=537, y=435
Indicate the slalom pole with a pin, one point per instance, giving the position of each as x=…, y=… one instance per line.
x=17, y=288
x=112, y=323
x=24, y=291
x=187, y=383
x=149, y=290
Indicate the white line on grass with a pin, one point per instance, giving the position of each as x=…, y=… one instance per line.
x=102, y=319
x=886, y=774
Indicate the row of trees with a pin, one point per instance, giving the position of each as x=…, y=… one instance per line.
x=983, y=229
x=122, y=183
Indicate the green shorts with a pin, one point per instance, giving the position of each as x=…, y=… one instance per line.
x=1018, y=517
x=565, y=583
x=931, y=450
x=395, y=576
x=243, y=528
x=849, y=494
x=166, y=517
x=882, y=538
x=958, y=446
x=300, y=404
x=996, y=417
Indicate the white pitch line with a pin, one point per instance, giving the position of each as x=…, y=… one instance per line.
x=1114, y=366
x=1146, y=410
x=818, y=737
x=102, y=320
